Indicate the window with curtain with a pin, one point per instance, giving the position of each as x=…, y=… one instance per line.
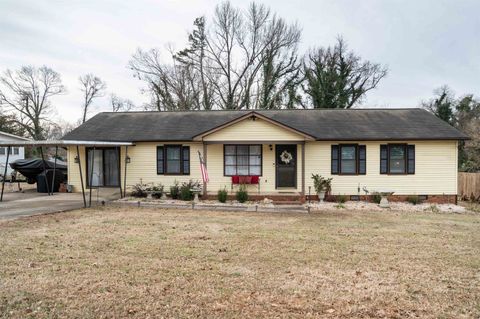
x=397, y=159
x=243, y=160
x=349, y=159
x=103, y=167
x=173, y=160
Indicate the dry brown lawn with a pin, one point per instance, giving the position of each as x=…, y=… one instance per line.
x=147, y=263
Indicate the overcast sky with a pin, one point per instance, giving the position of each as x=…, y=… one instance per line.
x=425, y=44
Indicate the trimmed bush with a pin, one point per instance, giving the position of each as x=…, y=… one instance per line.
x=414, y=199
x=222, y=195
x=139, y=190
x=157, y=191
x=186, y=189
x=174, y=190
x=242, y=194
x=376, y=198
x=341, y=199
x=185, y=193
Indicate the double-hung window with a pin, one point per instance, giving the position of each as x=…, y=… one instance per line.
x=13, y=150
x=397, y=159
x=243, y=160
x=173, y=160
x=348, y=159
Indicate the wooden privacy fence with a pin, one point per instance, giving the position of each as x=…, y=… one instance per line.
x=469, y=185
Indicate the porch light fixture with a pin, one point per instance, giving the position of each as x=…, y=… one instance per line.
x=271, y=147
x=127, y=159
x=76, y=160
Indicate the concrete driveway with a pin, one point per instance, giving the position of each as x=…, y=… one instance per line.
x=28, y=203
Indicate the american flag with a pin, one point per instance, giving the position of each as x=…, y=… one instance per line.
x=203, y=168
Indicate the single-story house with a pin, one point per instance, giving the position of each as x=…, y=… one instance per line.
x=16, y=152
x=275, y=152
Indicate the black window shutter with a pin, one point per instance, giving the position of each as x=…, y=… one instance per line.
x=186, y=160
x=362, y=159
x=383, y=159
x=160, y=160
x=411, y=159
x=335, y=159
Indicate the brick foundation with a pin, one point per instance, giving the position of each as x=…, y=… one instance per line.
x=259, y=197
x=434, y=199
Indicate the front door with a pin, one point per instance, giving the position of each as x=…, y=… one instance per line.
x=286, y=165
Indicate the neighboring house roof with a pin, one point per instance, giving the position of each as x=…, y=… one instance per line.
x=321, y=124
x=4, y=136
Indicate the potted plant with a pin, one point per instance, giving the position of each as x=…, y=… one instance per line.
x=322, y=185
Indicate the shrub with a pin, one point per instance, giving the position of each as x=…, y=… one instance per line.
x=376, y=198
x=321, y=184
x=222, y=195
x=140, y=190
x=414, y=199
x=341, y=199
x=186, y=189
x=174, y=190
x=242, y=194
x=157, y=191
x=186, y=193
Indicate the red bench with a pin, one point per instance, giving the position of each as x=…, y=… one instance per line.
x=246, y=180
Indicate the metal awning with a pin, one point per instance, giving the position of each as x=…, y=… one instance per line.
x=63, y=143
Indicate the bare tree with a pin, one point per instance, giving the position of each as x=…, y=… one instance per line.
x=238, y=46
x=194, y=57
x=225, y=63
x=442, y=105
x=121, y=105
x=92, y=87
x=27, y=92
x=172, y=86
x=338, y=78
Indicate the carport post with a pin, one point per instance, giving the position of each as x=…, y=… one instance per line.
x=90, y=180
x=54, y=168
x=81, y=178
x=119, y=152
x=45, y=171
x=5, y=173
x=125, y=173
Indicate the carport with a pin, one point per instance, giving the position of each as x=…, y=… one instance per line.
x=41, y=145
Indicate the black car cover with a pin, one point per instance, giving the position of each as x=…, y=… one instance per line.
x=30, y=168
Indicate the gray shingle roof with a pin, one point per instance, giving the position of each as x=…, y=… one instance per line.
x=323, y=124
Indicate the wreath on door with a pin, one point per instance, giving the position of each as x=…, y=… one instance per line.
x=286, y=157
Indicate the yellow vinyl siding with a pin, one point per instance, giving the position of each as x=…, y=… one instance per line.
x=73, y=169
x=143, y=165
x=267, y=180
x=435, y=169
x=250, y=130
